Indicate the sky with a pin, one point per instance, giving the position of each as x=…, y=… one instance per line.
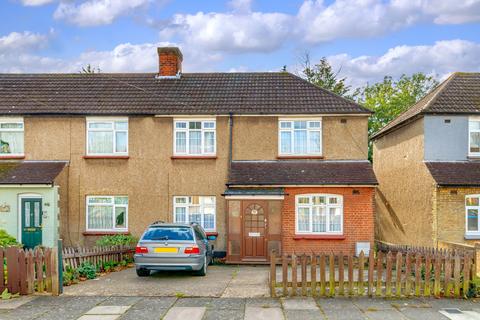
x=364, y=40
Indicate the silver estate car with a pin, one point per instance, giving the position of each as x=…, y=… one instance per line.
x=173, y=246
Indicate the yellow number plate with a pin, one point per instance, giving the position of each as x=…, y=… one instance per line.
x=165, y=250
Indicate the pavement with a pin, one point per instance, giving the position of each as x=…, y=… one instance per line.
x=172, y=308
x=221, y=281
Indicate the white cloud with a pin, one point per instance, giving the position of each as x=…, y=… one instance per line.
x=439, y=59
x=19, y=42
x=32, y=3
x=243, y=6
x=96, y=12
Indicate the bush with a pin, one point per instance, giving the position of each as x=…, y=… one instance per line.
x=70, y=276
x=117, y=240
x=87, y=270
x=474, y=289
x=7, y=240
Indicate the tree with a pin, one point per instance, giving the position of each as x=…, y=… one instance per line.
x=88, y=69
x=389, y=98
x=322, y=75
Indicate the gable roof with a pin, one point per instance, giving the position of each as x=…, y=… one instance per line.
x=459, y=94
x=455, y=173
x=30, y=172
x=144, y=94
x=301, y=172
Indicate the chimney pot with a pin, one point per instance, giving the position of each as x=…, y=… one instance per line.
x=170, y=62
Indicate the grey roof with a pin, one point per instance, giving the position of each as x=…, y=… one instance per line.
x=301, y=172
x=459, y=94
x=465, y=173
x=30, y=172
x=192, y=93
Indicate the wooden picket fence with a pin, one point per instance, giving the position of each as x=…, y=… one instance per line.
x=75, y=256
x=383, y=275
x=394, y=248
x=29, y=271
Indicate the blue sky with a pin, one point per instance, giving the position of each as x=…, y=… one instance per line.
x=365, y=39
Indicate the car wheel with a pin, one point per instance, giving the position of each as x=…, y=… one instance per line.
x=203, y=272
x=143, y=272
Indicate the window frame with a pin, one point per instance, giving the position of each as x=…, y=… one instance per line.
x=111, y=120
x=202, y=130
x=326, y=206
x=187, y=205
x=470, y=130
x=112, y=203
x=16, y=120
x=467, y=232
x=292, y=138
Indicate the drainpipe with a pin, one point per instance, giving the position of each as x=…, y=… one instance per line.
x=230, y=143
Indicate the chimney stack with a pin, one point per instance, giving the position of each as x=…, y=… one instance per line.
x=170, y=62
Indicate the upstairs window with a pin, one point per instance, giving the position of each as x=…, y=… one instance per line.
x=474, y=136
x=300, y=137
x=107, y=213
x=195, y=209
x=107, y=137
x=194, y=137
x=11, y=137
x=319, y=214
x=472, y=208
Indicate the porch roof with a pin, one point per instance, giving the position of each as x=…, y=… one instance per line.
x=30, y=172
x=301, y=172
x=464, y=173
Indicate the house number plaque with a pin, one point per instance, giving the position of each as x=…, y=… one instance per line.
x=4, y=207
x=254, y=234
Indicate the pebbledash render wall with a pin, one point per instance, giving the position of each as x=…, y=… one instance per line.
x=150, y=177
x=405, y=194
x=358, y=220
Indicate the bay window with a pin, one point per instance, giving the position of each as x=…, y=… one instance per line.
x=319, y=214
x=474, y=136
x=300, y=137
x=472, y=209
x=107, y=213
x=199, y=209
x=11, y=137
x=194, y=137
x=107, y=137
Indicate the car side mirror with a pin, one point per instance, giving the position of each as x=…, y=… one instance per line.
x=212, y=237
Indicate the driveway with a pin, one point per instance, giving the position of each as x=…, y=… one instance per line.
x=220, y=281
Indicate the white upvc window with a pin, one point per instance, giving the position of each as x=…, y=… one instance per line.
x=474, y=136
x=194, y=137
x=299, y=137
x=107, y=136
x=11, y=137
x=107, y=213
x=319, y=214
x=472, y=209
x=199, y=209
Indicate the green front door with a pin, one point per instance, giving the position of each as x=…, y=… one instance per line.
x=31, y=222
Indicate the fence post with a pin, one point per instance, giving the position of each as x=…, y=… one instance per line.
x=54, y=271
x=60, y=265
x=477, y=259
x=273, y=273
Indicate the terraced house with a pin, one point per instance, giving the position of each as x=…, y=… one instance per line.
x=263, y=160
x=428, y=168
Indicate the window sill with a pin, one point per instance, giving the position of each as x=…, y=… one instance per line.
x=104, y=233
x=7, y=157
x=319, y=237
x=106, y=157
x=211, y=233
x=299, y=157
x=193, y=157
x=473, y=157
x=472, y=236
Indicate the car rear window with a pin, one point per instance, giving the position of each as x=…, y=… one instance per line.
x=168, y=233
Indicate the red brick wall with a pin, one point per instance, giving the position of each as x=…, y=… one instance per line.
x=169, y=64
x=358, y=220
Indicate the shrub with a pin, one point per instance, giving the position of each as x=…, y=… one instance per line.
x=474, y=289
x=7, y=240
x=70, y=276
x=87, y=270
x=117, y=240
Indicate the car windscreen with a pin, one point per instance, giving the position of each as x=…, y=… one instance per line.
x=168, y=233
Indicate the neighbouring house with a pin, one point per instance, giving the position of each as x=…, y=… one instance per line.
x=262, y=160
x=427, y=162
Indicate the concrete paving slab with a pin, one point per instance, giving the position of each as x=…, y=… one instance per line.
x=299, y=304
x=457, y=314
x=193, y=302
x=263, y=302
x=15, y=302
x=182, y=313
x=120, y=301
x=258, y=313
x=138, y=314
x=304, y=314
x=386, y=315
x=223, y=314
x=227, y=303
x=99, y=317
x=102, y=310
x=246, y=291
x=340, y=308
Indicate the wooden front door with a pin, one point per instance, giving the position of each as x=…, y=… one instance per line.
x=31, y=222
x=254, y=230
